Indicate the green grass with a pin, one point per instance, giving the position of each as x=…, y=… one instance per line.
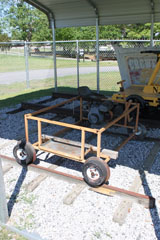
x=17, y=63
x=17, y=92
x=28, y=199
x=97, y=235
x=108, y=81
x=25, y=95
x=8, y=235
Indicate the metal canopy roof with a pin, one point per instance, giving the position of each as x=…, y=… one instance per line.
x=73, y=13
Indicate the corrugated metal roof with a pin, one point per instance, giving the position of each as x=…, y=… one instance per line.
x=71, y=13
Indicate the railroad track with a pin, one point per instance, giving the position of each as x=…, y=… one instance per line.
x=129, y=196
x=124, y=135
x=125, y=206
x=146, y=201
x=150, y=120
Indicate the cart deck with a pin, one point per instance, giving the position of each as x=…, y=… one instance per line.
x=95, y=168
x=72, y=149
x=63, y=148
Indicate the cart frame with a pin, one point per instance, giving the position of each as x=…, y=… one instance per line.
x=84, y=148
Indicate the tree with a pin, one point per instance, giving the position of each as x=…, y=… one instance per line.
x=21, y=21
x=4, y=38
x=112, y=32
x=138, y=31
x=65, y=34
x=41, y=32
x=141, y=31
x=27, y=23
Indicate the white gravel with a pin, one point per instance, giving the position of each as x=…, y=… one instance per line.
x=90, y=217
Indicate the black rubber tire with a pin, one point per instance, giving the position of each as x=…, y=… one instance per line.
x=93, y=118
x=137, y=99
x=24, y=153
x=102, y=169
x=141, y=133
x=118, y=109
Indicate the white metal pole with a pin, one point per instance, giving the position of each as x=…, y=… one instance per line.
x=152, y=23
x=77, y=64
x=97, y=51
x=3, y=201
x=54, y=52
x=26, y=64
x=152, y=30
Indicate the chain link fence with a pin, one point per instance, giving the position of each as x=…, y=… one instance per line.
x=30, y=65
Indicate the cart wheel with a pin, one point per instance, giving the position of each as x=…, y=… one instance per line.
x=141, y=131
x=137, y=99
x=95, y=172
x=118, y=109
x=24, y=153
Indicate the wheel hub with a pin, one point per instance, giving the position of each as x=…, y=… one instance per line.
x=21, y=154
x=139, y=131
x=93, y=173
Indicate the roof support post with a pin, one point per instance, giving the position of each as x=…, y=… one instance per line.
x=3, y=201
x=52, y=22
x=152, y=24
x=26, y=51
x=152, y=31
x=97, y=51
x=95, y=9
x=77, y=48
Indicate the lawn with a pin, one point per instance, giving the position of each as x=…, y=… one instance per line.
x=10, y=63
x=17, y=92
x=8, y=235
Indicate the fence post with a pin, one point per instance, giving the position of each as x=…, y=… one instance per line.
x=52, y=21
x=152, y=31
x=3, y=202
x=97, y=51
x=77, y=44
x=26, y=64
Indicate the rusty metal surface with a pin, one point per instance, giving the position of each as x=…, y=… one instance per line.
x=58, y=110
x=145, y=200
x=63, y=147
x=149, y=117
x=70, y=151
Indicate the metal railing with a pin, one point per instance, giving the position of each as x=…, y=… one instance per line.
x=33, y=63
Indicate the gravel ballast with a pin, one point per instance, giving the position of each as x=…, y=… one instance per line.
x=90, y=217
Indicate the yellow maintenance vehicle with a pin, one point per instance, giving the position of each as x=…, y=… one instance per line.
x=146, y=95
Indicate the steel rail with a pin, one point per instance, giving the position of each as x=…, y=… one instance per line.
x=149, y=121
x=124, y=135
x=146, y=201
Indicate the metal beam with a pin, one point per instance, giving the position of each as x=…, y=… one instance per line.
x=77, y=49
x=152, y=24
x=138, y=12
x=93, y=5
x=26, y=51
x=97, y=51
x=147, y=201
x=52, y=22
x=38, y=5
x=41, y=7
